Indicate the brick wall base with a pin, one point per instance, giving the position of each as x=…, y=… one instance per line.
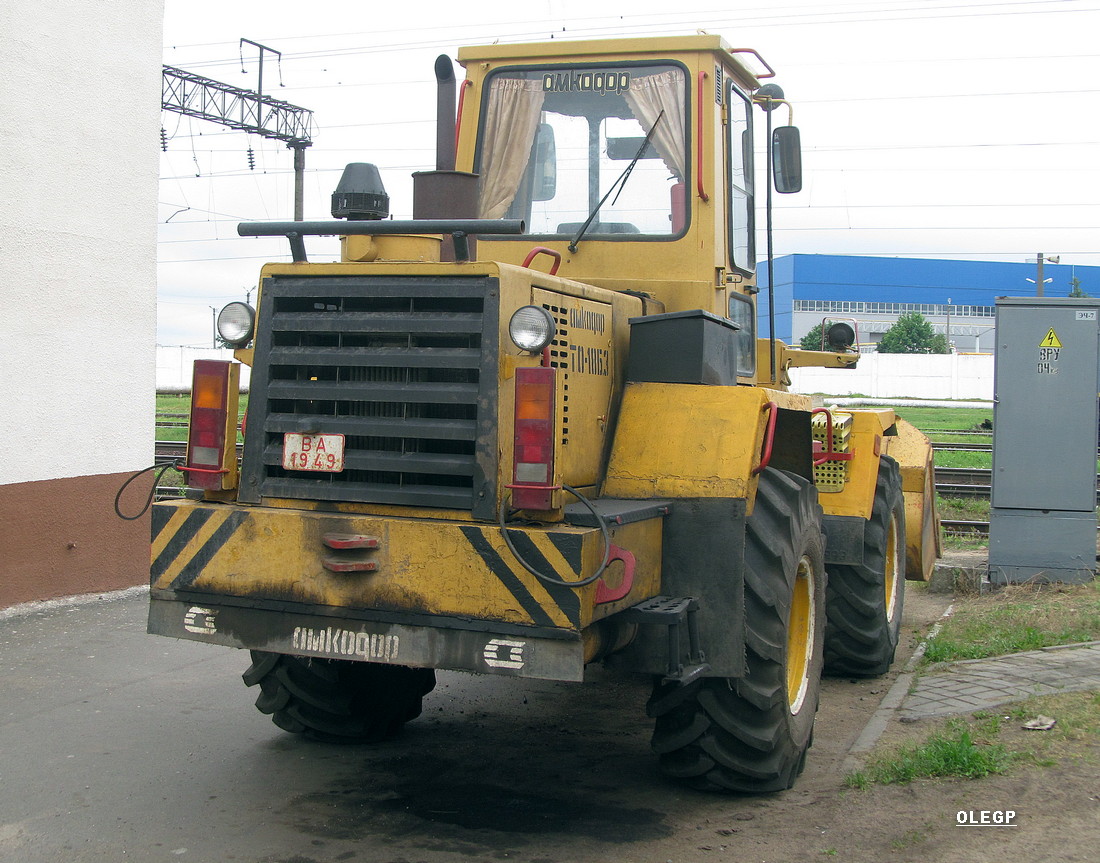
x=61, y=537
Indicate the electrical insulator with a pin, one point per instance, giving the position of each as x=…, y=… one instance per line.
x=251, y=160
x=163, y=140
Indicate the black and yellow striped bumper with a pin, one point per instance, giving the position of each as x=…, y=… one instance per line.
x=424, y=592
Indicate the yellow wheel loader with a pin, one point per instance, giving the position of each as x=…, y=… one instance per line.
x=534, y=428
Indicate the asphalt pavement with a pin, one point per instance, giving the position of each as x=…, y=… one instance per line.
x=116, y=745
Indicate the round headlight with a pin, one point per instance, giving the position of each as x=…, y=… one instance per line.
x=235, y=323
x=532, y=328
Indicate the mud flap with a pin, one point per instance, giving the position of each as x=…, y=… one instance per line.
x=703, y=557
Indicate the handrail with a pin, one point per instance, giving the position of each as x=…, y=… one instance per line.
x=543, y=250
x=341, y=228
x=459, y=229
x=770, y=73
x=769, y=438
x=461, y=100
x=699, y=138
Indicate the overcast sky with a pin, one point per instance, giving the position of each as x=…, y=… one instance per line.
x=930, y=128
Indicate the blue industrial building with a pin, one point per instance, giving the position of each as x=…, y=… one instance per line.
x=957, y=297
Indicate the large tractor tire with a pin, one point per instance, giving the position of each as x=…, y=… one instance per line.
x=751, y=734
x=337, y=700
x=864, y=603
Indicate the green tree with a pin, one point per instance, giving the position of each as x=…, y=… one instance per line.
x=1075, y=286
x=913, y=334
x=812, y=340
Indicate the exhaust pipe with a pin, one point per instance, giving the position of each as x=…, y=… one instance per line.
x=444, y=113
x=446, y=193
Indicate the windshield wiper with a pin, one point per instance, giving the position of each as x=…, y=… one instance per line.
x=619, y=183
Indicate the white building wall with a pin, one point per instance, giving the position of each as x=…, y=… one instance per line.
x=80, y=90
x=79, y=128
x=914, y=376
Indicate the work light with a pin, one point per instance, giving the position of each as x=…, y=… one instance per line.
x=532, y=328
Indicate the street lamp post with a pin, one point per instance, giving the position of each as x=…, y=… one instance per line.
x=978, y=339
x=1039, y=259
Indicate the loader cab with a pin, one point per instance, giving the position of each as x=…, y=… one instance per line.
x=594, y=150
x=636, y=166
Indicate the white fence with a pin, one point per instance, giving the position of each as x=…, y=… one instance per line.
x=925, y=376
x=174, y=366
x=914, y=376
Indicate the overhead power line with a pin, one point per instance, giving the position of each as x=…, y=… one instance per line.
x=198, y=96
x=251, y=111
x=597, y=25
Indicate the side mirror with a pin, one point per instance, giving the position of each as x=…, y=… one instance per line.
x=546, y=164
x=787, y=159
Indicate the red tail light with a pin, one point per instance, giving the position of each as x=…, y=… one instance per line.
x=535, y=431
x=212, y=435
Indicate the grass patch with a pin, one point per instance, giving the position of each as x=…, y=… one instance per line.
x=929, y=420
x=908, y=839
x=963, y=508
x=965, y=542
x=935, y=421
x=992, y=741
x=953, y=752
x=963, y=459
x=1017, y=618
x=173, y=404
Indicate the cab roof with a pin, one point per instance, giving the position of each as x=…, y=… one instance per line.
x=588, y=50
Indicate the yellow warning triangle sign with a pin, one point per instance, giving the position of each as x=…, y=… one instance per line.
x=1051, y=340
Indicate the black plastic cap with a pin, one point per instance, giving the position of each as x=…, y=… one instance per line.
x=360, y=194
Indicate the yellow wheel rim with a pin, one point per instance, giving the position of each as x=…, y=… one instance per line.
x=893, y=569
x=800, y=635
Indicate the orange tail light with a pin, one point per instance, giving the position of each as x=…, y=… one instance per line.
x=212, y=433
x=535, y=429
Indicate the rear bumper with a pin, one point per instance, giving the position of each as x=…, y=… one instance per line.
x=423, y=592
x=462, y=646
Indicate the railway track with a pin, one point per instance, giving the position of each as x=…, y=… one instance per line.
x=972, y=482
x=170, y=450
x=965, y=528
x=961, y=446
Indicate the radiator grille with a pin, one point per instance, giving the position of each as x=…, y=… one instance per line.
x=398, y=365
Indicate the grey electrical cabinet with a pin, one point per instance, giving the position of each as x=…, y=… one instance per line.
x=1042, y=523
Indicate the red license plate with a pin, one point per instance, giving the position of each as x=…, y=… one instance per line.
x=324, y=452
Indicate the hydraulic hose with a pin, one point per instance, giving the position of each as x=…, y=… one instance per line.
x=552, y=579
x=164, y=468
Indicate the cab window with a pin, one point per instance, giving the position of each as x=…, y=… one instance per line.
x=740, y=219
x=602, y=144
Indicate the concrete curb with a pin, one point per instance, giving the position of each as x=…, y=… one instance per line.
x=25, y=609
x=960, y=572
x=893, y=699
